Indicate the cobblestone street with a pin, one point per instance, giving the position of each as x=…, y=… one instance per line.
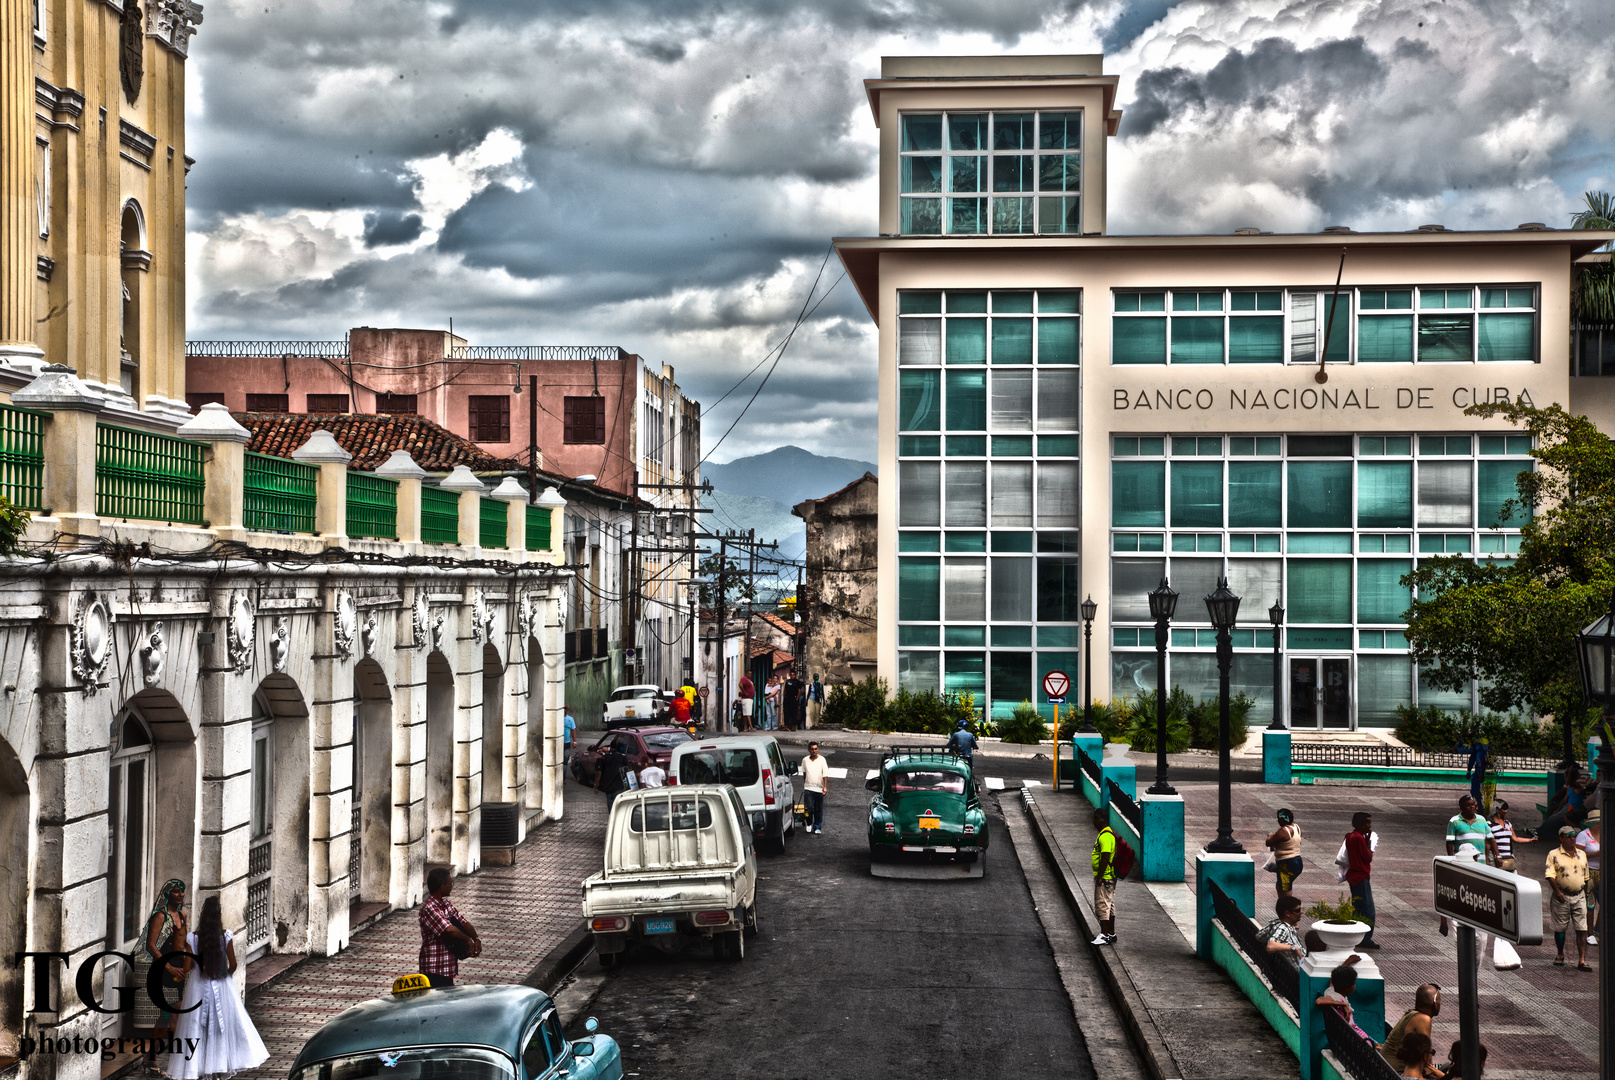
x=521, y=912
x=1534, y=1015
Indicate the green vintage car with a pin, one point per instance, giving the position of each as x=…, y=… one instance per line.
x=925, y=817
x=467, y=1032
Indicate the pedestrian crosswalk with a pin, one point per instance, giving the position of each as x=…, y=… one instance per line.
x=835, y=773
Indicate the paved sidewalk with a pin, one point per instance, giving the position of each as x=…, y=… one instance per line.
x=521, y=911
x=1539, y=1020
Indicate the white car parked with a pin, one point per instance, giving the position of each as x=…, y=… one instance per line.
x=758, y=771
x=634, y=706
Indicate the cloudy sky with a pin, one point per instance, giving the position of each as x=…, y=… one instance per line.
x=665, y=175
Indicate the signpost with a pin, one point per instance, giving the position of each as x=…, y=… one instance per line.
x=1481, y=897
x=1055, y=686
x=704, y=691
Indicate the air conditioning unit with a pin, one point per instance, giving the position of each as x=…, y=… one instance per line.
x=500, y=823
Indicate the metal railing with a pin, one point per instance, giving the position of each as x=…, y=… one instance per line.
x=1355, y=1053
x=372, y=506
x=148, y=477
x=537, y=352
x=278, y=495
x=1125, y=805
x=538, y=528
x=326, y=350
x=1385, y=756
x=1089, y=766
x=1280, y=971
x=493, y=523
x=440, y=516
x=22, y=457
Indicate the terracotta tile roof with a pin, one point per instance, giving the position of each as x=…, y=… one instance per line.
x=371, y=439
x=779, y=623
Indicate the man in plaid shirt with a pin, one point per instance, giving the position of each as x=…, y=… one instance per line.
x=438, y=918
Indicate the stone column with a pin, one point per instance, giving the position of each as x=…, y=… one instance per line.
x=409, y=735
x=466, y=656
x=331, y=517
x=402, y=467
x=331, y=707
x=514, y=496
x=471, y=490
x=19, y=230
x=69, y=443
x=550, y=502
x=226, y=466
x=224, y=744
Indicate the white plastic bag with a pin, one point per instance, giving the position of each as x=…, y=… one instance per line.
x=1504, y=958
x=1342, y=863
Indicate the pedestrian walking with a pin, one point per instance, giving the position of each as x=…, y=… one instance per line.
x=165, y=931
x=1588, y=841
x=1359, y=871
x=608, y=772
x=815, y=696
x=698, y=709
x=1504, y=837
x=793, y=702
x=963, y=743
x=447, y=937
x=1567, y=875
x=652, y=775
x=1468, y=832
x=1286, y=845
x=771, y=698
x=745, y=697
x=1283, y=934
x=815, y=786
x=568, y=726
x=1419, y=1020
x=1104, y=878
x=213, y=1019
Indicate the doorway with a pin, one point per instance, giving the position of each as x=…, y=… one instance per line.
x=130, y=801
x=1320, y=692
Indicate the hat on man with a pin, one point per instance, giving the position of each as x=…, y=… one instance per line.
x=1592, y=818
x=1567, y=830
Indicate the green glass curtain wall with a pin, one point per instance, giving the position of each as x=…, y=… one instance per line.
x=967, y=341
x=1384, y=495
x=1253, y=495
x=1383, y=684
x=1319, y=591
x=1138, y=341
x=1057, y=341
x=1197, y=494
x=1012, y=341
x=1257, y=340
x=1381, y=598
x=919, y=590
x=1507, y=337
x=1497, y=483
x=965, y=672
x=1059, y=591
x=920, y=404
x=1320, y=495
x=1137, y=493
x=967, y=401
x=1196, y=340
x=1011, y=681
x=1385, y=339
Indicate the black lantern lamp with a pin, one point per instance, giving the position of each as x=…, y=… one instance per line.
x=1163, y=605
x=1275, y=615
x=1089, y=610
x=1223, y=607
x=1595, y=652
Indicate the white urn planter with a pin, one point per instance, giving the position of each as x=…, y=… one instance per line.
x=1341, y=937
x=1117, y=751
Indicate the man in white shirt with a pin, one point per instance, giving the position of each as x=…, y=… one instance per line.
x=652, y=775
x=815, y=786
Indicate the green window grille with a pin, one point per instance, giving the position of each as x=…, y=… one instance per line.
x=22, y=457
x=493, y=523
x=146, y=476
x=278, y=495
x=440, y=516
x=538, y=528
x=372, y=506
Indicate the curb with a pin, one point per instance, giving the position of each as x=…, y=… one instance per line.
x=1141, y=1027
x=558, y=963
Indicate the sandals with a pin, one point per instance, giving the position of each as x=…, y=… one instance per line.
x=1559, y=962
x=1584, y=967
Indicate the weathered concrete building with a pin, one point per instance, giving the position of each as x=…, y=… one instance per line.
x=838, y=601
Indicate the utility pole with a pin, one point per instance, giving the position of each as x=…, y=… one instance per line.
x=532, y=438
x=721, y=697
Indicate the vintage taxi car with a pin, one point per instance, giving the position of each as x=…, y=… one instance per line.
x=925, y=811
x=468, y=1032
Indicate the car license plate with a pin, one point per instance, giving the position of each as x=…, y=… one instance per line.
x=658, y=926
x=629, y=712
x=930, y=823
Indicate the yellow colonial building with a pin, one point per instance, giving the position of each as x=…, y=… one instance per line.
x=1066, y=413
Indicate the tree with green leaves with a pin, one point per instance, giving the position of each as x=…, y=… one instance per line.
x=738, y=587
x=1513, y=624
x=1592, y=293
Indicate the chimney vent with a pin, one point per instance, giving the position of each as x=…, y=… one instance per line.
x=1337, y=228
x=1432, y=228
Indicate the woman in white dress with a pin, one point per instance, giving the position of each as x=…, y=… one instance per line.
x=213, y=1018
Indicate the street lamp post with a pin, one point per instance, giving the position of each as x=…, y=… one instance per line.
x=1224, y=608
x=1089, y=610
x=1595, y=651
x=1275, y=615
x=1163, y=605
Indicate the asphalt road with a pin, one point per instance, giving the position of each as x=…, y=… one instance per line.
x=854, y=976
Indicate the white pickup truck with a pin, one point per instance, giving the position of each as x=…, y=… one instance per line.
x=680, y=867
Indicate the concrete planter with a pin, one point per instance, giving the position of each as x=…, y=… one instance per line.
x=1341, y=937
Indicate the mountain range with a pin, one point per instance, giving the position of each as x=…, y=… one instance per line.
x=758, y=492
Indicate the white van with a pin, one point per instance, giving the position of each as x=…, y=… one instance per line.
x=755, y=767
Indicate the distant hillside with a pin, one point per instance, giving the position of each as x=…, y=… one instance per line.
x=787, y=475
x=758, y=492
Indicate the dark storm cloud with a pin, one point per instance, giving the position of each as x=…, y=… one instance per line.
x=387, y=227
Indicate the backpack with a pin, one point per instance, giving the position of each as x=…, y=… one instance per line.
x=1122, y=863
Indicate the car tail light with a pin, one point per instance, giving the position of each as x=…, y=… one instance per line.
x=711, y=918
x=890, y=827
x=672, y=779
x=768, y=786
x=970, y=829
x=608, y=924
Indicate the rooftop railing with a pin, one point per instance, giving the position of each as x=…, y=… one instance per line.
x=149, y=477
x=279, y=495
x=372, y=507
x=22, y=457
x=440, y=516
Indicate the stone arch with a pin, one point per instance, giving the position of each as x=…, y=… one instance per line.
x=493, y=725
x=279, y=698
x=175, y=786
x=533, y=730
x=439, y=793
x=15, y=830
x=370, y=830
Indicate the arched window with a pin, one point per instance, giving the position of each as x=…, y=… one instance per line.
x=130, y=787
x=135, y=261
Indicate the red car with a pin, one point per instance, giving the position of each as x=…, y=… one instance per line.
x=642, y=745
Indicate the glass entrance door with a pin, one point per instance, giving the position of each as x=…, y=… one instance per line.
x=1320, y=692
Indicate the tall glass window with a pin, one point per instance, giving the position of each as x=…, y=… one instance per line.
x=1004, y=173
